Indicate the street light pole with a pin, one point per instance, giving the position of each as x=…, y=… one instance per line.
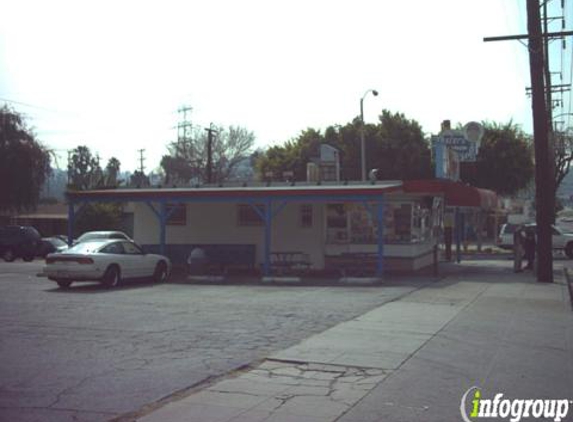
x=362, y=146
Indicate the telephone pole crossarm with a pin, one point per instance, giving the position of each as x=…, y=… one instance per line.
x=526, y=36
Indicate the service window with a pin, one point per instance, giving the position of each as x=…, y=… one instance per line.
x=362, y=227
x=247, y=216
x=336, y=224
x=403, y=222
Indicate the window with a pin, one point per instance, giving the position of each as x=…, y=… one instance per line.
x=328, y=172
x=336, y=216
x=247, y=216
x=114, y=248
x=131, y=249
x=336, y=224
x=363, y=228
x=177, y=214
x=403, y=222
x=306, y=215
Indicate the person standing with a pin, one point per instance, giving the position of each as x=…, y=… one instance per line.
x=530, y=245
x=448, y=233
x=469, y=236
x=518, y=248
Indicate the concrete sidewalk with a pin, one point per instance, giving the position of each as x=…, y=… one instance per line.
x=411, y=359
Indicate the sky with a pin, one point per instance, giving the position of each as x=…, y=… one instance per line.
x=112, y=74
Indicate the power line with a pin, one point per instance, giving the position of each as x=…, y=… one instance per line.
x=51, y=110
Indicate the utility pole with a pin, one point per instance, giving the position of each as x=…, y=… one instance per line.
x=549, y=105
x=546, y=68
x=210, y=131
x=141, y=160
x=543, y=174
x=543, y=191
x=70, y=153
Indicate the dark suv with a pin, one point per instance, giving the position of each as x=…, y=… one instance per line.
x=19, y=242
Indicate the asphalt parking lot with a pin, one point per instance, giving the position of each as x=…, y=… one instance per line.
x=92, y=354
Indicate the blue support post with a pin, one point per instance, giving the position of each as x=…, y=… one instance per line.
x=268, y=220
x=162, y=223
x=279, y=208
x=458, y=222
x=71, y=220
x=152, y=208
x=380, y=218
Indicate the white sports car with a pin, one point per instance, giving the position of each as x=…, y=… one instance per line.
x=107, y=261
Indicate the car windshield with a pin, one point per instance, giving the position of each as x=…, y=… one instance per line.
x=92, y=236
x=56, y=242
x=85, y=247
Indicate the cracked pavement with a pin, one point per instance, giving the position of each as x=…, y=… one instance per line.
x=277, y=391
x=91, y=354
x=410, y=359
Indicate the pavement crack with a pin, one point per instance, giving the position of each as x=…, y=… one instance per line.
x=242, y=393
x=283, y=398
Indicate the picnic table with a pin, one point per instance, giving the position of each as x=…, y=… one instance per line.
x=353, y=263
x=285, y=261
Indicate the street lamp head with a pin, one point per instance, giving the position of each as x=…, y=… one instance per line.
x=375, y=92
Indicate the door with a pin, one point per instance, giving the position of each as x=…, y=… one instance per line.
x=136, y=259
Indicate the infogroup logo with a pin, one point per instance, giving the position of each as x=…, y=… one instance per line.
x=474, y=406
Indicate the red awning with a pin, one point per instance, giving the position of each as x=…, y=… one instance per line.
x=456, y=194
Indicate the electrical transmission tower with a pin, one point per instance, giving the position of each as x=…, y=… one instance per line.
x=141, y=160
x=184, y=127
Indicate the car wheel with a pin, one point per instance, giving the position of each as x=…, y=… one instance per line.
x=160, y=274
x=569, y=250
x=28, y=258
x=64, y=284
x=8, y=255
x=112, y=277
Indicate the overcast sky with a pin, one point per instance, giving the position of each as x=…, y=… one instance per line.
x=112, y=74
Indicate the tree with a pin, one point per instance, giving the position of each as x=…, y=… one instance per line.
x=400, y=150
x=24, y=163
x=99, y=216
x=504, y=161
x=139, y=179
x=187, y=160
x=395, y=146
x=84, y=171
x=563, y=150
x=111, y=173
x=292, y=156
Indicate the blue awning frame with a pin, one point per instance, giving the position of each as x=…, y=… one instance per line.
x=273, y=205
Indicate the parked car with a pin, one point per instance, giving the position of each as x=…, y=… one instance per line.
x=107, y=261
x=97, y=235
x=64, y=238
x=19, y=242
x=50, y=245
x=505, y=238
x=560, y=239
